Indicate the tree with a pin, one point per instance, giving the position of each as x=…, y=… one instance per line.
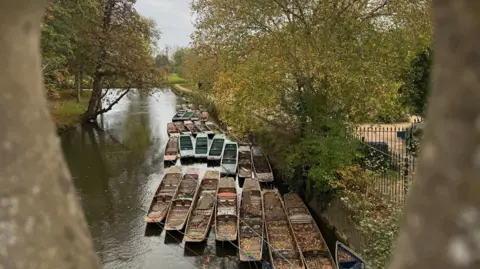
x=123, y=53
x=178, y=59
x=415, y=91
x=41, y=222
x=441, y=215
x=65, y=42
x=333, y=58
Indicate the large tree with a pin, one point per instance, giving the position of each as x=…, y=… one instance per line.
x=41, y=222
x=312, y=58
x=442, y=216
x=123, y=53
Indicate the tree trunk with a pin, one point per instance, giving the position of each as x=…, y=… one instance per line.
x=95, y=98
x=442, y=220
x=41, y=223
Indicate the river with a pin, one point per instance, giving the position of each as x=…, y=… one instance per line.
x=116, y=170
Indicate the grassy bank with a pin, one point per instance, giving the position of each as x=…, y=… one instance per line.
x=65, y=110
x=174, y=78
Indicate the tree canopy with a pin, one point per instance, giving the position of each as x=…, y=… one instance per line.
x=295, y=59
x=108, y=41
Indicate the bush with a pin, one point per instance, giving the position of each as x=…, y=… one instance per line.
x=374, y=216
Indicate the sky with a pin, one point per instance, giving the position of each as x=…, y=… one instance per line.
x=173, y=18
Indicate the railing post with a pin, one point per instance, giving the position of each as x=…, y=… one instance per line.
x=405, y=178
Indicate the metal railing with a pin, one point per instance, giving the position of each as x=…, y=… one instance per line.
x=390, y=154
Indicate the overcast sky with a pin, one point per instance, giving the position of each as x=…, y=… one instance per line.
x=173, y=18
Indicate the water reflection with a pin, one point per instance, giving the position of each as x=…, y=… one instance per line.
x=116, y=169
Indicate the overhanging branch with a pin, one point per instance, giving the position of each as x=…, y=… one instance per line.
x=101, y=111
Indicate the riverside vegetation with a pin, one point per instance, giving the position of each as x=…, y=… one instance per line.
x=96, y=45
x=295, y=75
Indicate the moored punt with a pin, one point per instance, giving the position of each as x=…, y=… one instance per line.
x=226, y=213
x=196, y=115
x=250, y=222
x=178, y=116
x=229, y=158
x=171, y=150
x=310, y=240
x=261, y=166
x=183, y=200
x=201, y=146
x=202, y=128
x=212, y=126
x=244, y=162
x=181, y=127
x=163, y=195
x=172, y=130
x=188, y=114
x=201, y=217
x=204, y=116
x=283, y=248
x=191, y=127
x=216, y=149
x=347, y=258
x=186, y=147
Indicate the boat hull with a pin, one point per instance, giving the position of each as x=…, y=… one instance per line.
x=156, y=220
x=170, y=158
x=200, y=156
x=229, y=170
x=201, y=237
x=264, y=177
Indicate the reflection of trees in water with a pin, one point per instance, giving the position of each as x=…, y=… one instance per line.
x=109, y=173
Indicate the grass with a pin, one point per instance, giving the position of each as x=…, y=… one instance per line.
x=65, y=110
x=174, y=78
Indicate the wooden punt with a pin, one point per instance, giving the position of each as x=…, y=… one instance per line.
x=250, y=222
x=171, y=150
x=229, y=160
x=212, y=126
x=227, y=210
x=261, y=166
x=244, y=162
x=186, y=146
x=347, y=259
x=183, y=200
x=163, y=195
x=191, y=127
x=181, y=127
x=178, y=116
x=202, y=127
x=172, y=130
x=201, y=217
x=283, y=247
x=310, y=240
x=215, y=151
x=188, y=114
x=196, y=115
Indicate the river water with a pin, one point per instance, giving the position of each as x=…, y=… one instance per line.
x=116, y=170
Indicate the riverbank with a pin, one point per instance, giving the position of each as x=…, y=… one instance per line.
x=65, y=110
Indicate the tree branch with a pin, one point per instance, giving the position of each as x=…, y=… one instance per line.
x=375, y=10
x=101, y=111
